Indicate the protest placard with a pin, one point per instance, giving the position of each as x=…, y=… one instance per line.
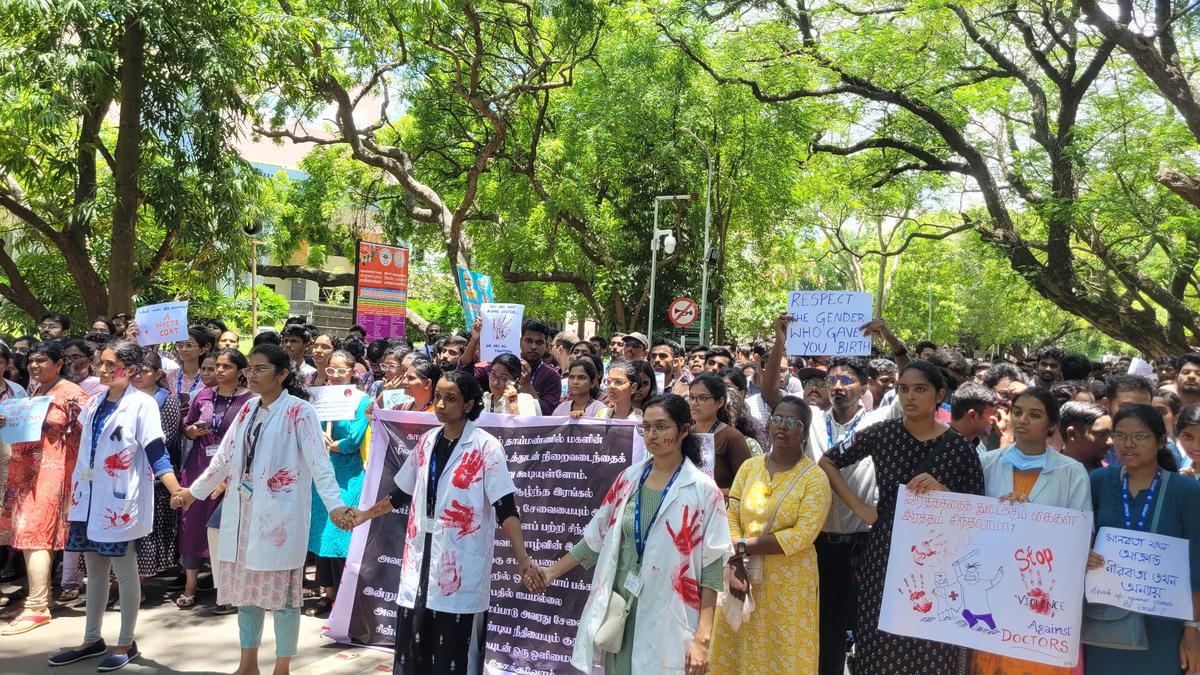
x=394, y=398
x=335, y=402
x=476, y=290
x=501, y=330
x=827, y=323
x=979, y=573
x=1143, y=572
x=708, y=453
x=162, y=323
x=23, y=418
x=562, y=467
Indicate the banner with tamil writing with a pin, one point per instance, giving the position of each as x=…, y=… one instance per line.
x=381, y=289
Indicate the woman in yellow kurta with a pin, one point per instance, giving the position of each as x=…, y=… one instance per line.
x=781, y=635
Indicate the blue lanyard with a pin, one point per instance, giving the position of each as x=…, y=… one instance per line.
x=849, y=430
x=179, y=383
x=433, y=471
x=1126, y=500
x=638, y=542
x=103, y=412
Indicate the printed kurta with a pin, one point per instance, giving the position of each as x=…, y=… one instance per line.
x=781, y=635
x=37, y=492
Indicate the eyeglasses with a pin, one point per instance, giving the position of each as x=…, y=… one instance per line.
x=815, y=383
x=789, y=422
x=261, y=370
x=388, y=367
x=701, y=399
x=656, y=430
x=495, y=377
x=77, y=357
x=844, y=380
x=337, y=372
x=1139, y=437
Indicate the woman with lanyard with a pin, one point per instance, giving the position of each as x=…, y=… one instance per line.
x=620, y=385
x=657, y=545
x=322, y=348
x=191, y=352
x=274, y=454
x=159, y=550
x=343, y=441
x=112, y=500
x=707, y=398
x=209, y=416
x=457, y=477
x=37, y=490
x=918, y=452
x=502, y=396
x=1030, y=471
x=1141, y=494
x=777, y=506
x=583, y=390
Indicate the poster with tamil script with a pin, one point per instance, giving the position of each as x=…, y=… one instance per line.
x=978, y=573
x=1143, y=572
x=827, y=323
x=23, y=418
x=381, y=289
x=562, y=468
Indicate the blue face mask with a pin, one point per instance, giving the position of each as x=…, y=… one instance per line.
x=1023, y=462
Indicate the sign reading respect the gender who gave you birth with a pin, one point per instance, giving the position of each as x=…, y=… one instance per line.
x=827, y=323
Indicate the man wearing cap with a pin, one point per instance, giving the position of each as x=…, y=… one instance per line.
x=635, y=346
x=816, y=389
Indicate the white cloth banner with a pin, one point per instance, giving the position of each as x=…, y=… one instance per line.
x=501, y=330
x=827, y=323
x=978, y=573
x=1143, y=572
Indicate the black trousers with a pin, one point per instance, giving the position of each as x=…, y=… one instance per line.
x=837, y=566
x=329, y=572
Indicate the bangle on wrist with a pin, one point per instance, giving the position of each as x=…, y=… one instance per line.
x=902, y=351
x=1195, y=625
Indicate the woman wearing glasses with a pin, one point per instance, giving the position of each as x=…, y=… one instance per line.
x=623, y=380
x=210, y=415
x=707, y=395
x=777, y=506
x=79, y=355
x=322, y=348
x=502, y=395
x=657, y=547
x=418, y=379
x=344, y=441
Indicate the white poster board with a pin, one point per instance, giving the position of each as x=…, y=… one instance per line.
x=162, y=323
x=335, y=402
x=827, y=323
x=975, y=572
x=501, y=330
x=392, y=399
x=23, y=418
x=1143, y=572
x=708, y=453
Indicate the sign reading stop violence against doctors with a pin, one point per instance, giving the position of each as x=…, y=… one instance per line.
x=562, y=469
x=827, y=323
x=978, y=573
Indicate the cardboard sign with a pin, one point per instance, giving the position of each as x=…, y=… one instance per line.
x=162, y=323
x=501, y=330
x=23, y=418
x=1143, y=572
x=827, y=323
x=335, y=402
x=392, y=399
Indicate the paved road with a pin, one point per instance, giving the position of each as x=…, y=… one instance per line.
x=171, y=640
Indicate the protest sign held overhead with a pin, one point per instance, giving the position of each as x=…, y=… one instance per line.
x=162, y=323
x=827, y=323
x=476, y=290
x=501, y=331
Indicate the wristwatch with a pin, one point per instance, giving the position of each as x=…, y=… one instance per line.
x=900, y=352
x=740, y=548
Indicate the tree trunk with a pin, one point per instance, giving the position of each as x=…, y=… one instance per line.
x=123, y=257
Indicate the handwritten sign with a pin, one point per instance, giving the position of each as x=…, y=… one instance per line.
x=501, y=330
x=1143, y=572
x=978, y=573
x=162, y=323
x=335, y=402
x=827, y=323
x=23, y=418
x=392, y=399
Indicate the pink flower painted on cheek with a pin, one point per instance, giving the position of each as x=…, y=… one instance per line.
x=449, y=574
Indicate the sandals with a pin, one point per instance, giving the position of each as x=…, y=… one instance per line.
x=321, y=609
x=69, y=594
x=185, y=601
x=25, y=623
x=224, y=610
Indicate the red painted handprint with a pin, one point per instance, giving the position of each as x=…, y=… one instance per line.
x=461, y=517
x=114, y=519
x=117, y=462
x=449, y=575
x=469, y=470
x=689, y=535
x=616, y=492
x=276, y=536
x=928, y=548
x=1039, y=600
x=281, y=482
x=914, y=586
x=687, y=586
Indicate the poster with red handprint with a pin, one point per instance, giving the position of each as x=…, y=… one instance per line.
x=980, y=573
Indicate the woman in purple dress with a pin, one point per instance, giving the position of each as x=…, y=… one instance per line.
x=209, y=417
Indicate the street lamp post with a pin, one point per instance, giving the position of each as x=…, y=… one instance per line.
x=707, y=227
x=668, y=247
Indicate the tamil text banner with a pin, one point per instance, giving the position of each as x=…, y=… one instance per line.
x=381, y=289
x=979, y=573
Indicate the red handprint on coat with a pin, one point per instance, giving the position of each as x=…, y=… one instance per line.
x=276, y=536
x=687, y=586
x=461, y=517
x=469, y=470
x=449, y=575
x=118, y=461
x=115, y=519
x=616, y=493
x=689, y=536
x=281, y=482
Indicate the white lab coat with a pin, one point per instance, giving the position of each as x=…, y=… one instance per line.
x=289, y=460
x=464, y=525
x=117, y=503
x=1063, y=483
x=666, y=621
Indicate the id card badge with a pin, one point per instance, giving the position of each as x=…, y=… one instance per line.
x=246, y=489
x=633, y=584
x=211, y=450
x=87, y=474
x=429, y=524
